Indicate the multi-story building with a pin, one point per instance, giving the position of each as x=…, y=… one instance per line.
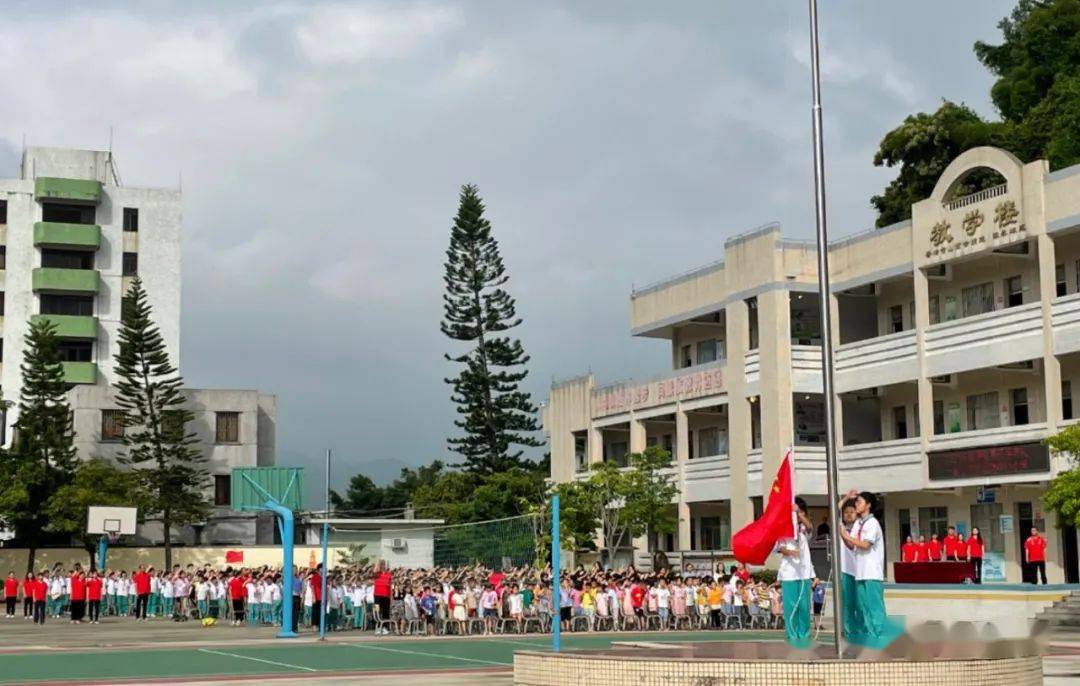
x=957, y=339
x=71, y=239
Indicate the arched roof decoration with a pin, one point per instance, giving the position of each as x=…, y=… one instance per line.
x=1001, y=161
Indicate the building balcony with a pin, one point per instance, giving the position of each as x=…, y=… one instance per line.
x=80, y=372
x=1000, y=435
x=806, y=368
x=985, y=340
x=69, y=190
x=707, y=478
x=700, y=381
x=1065, y=314
x=65, y=280
x=70, y=326
x=880, y=361
x=68, y=236
x=884, y=466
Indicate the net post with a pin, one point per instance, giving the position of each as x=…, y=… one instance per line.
x=556, y=583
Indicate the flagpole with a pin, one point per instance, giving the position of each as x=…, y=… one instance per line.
x=826, y=325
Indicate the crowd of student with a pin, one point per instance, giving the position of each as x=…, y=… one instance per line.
x=463, y=600
x=954, y=547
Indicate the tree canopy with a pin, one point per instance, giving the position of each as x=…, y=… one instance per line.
x=1036, y=95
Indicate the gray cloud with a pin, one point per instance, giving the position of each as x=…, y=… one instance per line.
x=322, y=147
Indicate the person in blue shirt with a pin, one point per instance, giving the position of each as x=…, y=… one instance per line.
x=818, y=596
x=428, y=605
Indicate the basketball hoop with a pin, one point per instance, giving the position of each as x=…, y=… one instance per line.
x=113, y=537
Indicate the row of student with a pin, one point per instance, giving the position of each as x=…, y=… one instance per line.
x=956, y=548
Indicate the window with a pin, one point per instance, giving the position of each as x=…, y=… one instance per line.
x=1014, y=291
x=1077, y=265
x=3, y=257
x=935, y=309
x=1019, y=406
x=131, y=219
x=982, y=411
x=918, y=427
x=228, y=427
x=709, y=441
x=75, y=351
x=706, y=351
x=67, y=214
x=222, y=490
x=896, y=319
x=127, y=305
x=933, y=520
x=131, y=264
x=2, y=303
x=977, y=299
x=950, y=308
x=1066, y=400
x=174, y=422
x=900, y=422
x=581, y=454
x=755, y=425
x=687, y=361
x=911, y=315
x=67, y=259
x=752, y=321
x=715, y=533
x=76, y=305
x=112, y=425
x=904, y=515
x=1059, y=279
x=3, y=211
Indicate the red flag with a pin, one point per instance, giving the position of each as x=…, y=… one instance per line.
x=753, y=543
x=234, y=556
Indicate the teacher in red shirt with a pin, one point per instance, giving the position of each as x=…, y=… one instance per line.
x=909, y=552
x=11, y=594
x=934, y=548
x=93, y=596
x=975, y=552
x=1035, y=553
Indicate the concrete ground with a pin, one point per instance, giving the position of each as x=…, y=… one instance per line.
x=19, y=636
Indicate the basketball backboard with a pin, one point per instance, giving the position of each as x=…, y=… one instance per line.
x=111, y=521
x=252, y=487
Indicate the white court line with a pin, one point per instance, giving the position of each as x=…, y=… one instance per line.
x=418, y=652
x=516, y=642
x=256, y=659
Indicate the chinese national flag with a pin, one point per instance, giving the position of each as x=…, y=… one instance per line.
x=753, y=543
x=234, y=556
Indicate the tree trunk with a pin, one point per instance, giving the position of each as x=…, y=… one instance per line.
x=166, y=524
x=31, y=554
x=93, y=558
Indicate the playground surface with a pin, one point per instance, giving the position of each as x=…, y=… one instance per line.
x=163, y=652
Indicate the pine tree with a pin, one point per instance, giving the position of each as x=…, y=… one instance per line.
x=42, y=456
x=155, y=419
x=496, y=416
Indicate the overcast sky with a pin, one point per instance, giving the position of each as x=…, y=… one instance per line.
x=322, y=146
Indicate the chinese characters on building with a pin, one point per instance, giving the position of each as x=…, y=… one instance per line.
x=1006, y=222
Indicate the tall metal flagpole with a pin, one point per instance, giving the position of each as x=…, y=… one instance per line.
x=325, y=563
x=826, y=323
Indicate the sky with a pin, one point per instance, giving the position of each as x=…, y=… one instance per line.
x=321, y=147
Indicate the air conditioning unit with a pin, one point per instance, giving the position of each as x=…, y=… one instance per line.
x=941, y=272
x=1023, y=366
x=943, y=380
x=397, y=543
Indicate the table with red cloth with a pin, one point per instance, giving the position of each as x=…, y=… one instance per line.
x=933, y=572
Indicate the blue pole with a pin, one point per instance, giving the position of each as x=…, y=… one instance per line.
x=556, y=584
x=102, y=551
x=287, y=537
x=325, y=543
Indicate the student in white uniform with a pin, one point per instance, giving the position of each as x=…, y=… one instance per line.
x=868, y=545
x=795, y=574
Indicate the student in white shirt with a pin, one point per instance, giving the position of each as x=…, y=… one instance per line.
x=795, y=573
x=847, y=567
x=868, y=545
x=663, y=603
x=253, y=600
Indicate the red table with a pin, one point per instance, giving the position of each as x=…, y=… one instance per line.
x=933, y=572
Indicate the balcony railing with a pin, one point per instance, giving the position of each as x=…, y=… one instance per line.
x=71, y=190
x=752, y=365
x=70, y=326
x=683, y=384
x=753, y=464
x=806, y=368
x=1065, y=313
x=985, y=340
x=69, y=236
x=995, y=436
x=971, y=199
x=65, y=280
x=877, y=361
x=895, y=465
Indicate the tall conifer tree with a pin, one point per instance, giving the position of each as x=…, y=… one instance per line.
x=156, y=436
x=496, y=416
x=42, y=456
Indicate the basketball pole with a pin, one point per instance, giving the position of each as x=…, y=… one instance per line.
x=556, y=591
x=102, y=551
x=325, y=545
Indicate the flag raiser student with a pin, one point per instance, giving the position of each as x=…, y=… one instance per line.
x=867, y=544
x=795, y=573
x=847, y=567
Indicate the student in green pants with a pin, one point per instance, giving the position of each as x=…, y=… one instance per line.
x=872, y=627
x=795, y=574
x=847, y=569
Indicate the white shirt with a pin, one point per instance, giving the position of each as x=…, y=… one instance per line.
x=869, y=563
x=155, y=584
x=369, y=594
x=515, y=603
x=110, y=586
x=847, y=556
x=663, y=598
x=795, y=568
x=166, y=588
x=252, y=592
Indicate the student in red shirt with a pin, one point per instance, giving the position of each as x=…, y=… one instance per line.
x=637, y=601
x=975, y=552
x=909, y=552
x=141, y=579
x=922, y=550
x=934, y=547
x=236, y=594
x=11, y=594
x=1035, y=552
x=39, y=590
x=952, y=548
x=93, y=596
x=78, y=596
x=28, y=596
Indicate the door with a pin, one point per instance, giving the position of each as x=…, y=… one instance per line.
x=1069, y=555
